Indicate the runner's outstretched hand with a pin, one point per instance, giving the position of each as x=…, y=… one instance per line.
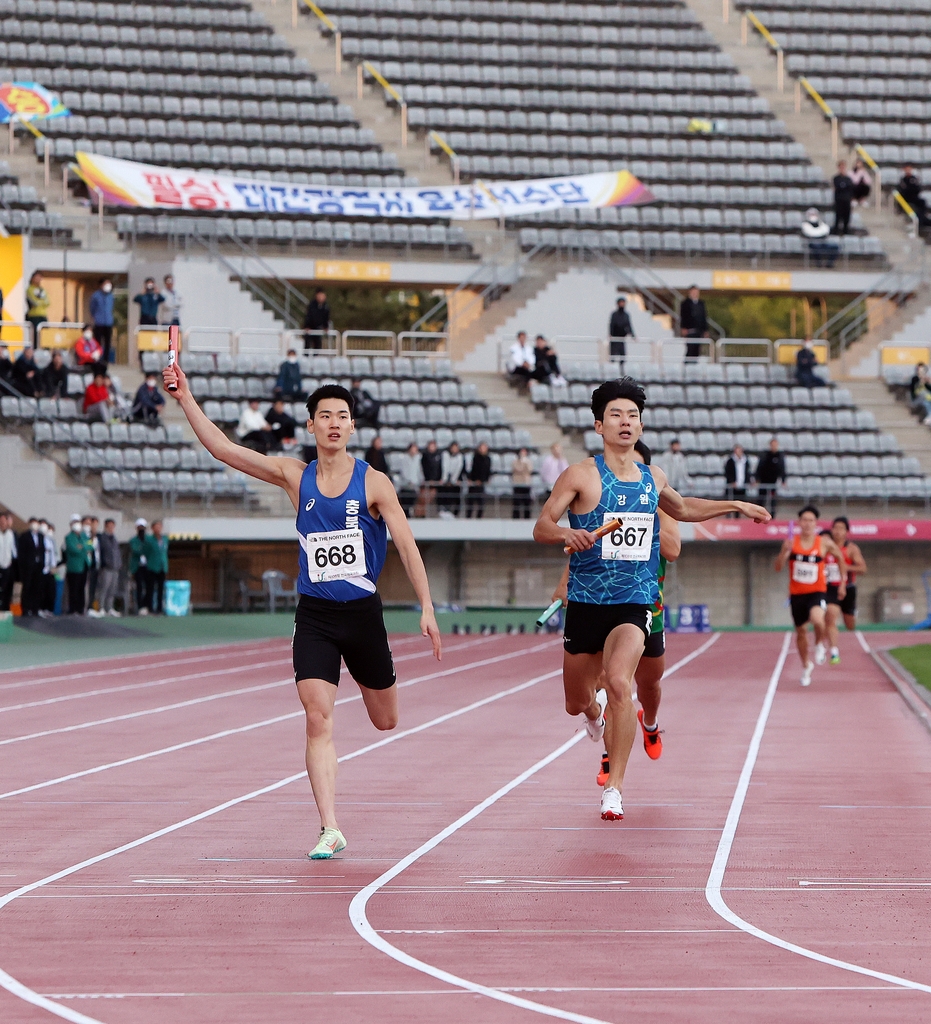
x=755, y=512
x=428, y=627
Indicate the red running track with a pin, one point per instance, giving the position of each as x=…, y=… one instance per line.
x=771, y=866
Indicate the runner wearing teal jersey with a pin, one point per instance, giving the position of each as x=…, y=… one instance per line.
x=608, y=617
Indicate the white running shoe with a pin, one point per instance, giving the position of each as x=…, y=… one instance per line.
x=596, y=729
x=806, y=675
x=611, y=807
x=331, y=841
x=821, y=654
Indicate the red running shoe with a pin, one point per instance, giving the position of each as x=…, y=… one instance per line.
x=652, y=742
x=603, y=773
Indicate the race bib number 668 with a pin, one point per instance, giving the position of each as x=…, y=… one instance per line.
x=337, y=555
x=632, y=541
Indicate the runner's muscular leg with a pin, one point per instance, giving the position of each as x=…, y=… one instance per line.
x=318, y=697
x=649, y=692
x=816, y=618
x=850, y=621
x=801, y=640
x=382, y=706
x=622, y=652
x=830, y=623
x=580, y=676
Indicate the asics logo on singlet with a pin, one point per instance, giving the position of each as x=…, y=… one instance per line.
x=309, y=505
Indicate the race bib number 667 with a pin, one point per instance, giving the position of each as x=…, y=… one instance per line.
x=337, y=555
x=632, y=541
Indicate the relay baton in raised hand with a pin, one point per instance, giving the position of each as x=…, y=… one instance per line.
x=549, y=613
x=173, y=333
x=602, y=531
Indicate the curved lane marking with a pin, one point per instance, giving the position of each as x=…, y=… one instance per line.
x=357, y=907
x=17, y=988
x=716, y=877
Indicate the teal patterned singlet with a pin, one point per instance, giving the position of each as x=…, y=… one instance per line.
x=594, y=579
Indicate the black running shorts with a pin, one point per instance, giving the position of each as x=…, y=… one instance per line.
x=325, y=631
x=849, y=605
x=802, y=605
x=588, y=625
x=655, y=647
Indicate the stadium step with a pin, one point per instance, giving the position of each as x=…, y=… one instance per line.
x=893, y=417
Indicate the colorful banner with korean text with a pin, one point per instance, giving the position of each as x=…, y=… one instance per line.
x=29, y=101
x=126, y=183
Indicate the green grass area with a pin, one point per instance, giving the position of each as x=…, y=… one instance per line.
x=916, y=660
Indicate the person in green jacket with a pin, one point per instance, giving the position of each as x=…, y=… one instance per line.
x=139, y=566
x=37, y=303
x=79, y=551
x=157, y=556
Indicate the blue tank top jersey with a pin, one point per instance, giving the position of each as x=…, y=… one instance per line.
x=328, y=530
x=594, y=579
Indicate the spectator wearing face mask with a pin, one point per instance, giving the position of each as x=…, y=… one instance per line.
x=101, y=307
x=138, y=567
x=8, y=556
x=30, y=548
x=53, y=583
x=169, y=311
x=78, y=554
x=816, y=232
x=87, y=350
x=148, y=401
x=54, y=378
x=91, y=527
x=805, y=362
x=37, y=303
x=156, y=550
x=288, y=385
x=26, y=373
x=148, y=301
x=98, y=404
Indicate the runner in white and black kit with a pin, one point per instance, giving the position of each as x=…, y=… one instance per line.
x=344, y=510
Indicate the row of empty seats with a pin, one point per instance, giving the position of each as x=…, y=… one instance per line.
x=398, y=368
x=228, y=15
x=110, y=457
x=519, y=10
x=678, y=418
x=708, y=218
x=118, y=434
x=719, y=397
x=813, y=465
x=912, y=489
x=722, y=441
x=172, y=485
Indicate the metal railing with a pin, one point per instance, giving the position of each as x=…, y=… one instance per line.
x=366, y=343
x=434, y=343
x=448, y=150
x=770, y=41
x=23, y=327
x=906, y=208
x=297, y=340
x=741, y=350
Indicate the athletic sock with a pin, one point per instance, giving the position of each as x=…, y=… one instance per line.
x=649, y=728
x=834, y=651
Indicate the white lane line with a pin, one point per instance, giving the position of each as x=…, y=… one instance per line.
x=247, y=667
x=357, y=908
x=258, y=725
x=718, y=868
x=27, y=994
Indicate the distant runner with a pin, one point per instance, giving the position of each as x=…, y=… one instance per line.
x=612, y=587
x=344, y=510
x=846, y=605
x=805, y=553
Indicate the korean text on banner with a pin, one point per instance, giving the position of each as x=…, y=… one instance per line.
x=126, y=183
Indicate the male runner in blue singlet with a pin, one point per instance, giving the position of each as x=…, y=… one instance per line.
x=344, y=510
x=613, y=582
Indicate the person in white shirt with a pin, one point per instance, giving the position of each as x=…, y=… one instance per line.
x=409, y=479
x=552, y=465
x=673, y=464
x=7, y=560
x=816, y=232
x=522, y=361
x=453, y=464
x=169, y=312
x=253, y=429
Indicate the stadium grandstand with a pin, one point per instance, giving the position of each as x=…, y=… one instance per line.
x=472, y=102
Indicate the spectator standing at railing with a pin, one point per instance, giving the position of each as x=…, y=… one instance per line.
x=78, y=554
x=770, y=472
x=619, y=327
x=54, y=378
x=156, y=553
x=91, y=528
x=409, y=479
x=552, y=466
x=111, y=561
x=138, y=567
x=366, y=408
x=478, y=475
x=53, y=577
x=148, y=401
x=87, y=350
x=910, y=190
x=674, y=465
x=31, y=557
x=375, y=456
x=101, y=307
x=37, y=303
x=843, y=197
x=521, y=475
x=805, y=362
x=737, y=475
x=8, y=555
x=26, y=374
x=317, y=320
x=453, y=467
x=148, y=301
x=432, y=464
x=288, y=385
x=693, y=322
x=862, y=183
x=169, y=312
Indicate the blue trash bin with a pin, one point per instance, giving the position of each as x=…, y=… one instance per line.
x=177, y=597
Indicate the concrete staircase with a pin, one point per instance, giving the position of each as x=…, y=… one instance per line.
x=862, y=358
x=213, y=298
x=894, y=417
